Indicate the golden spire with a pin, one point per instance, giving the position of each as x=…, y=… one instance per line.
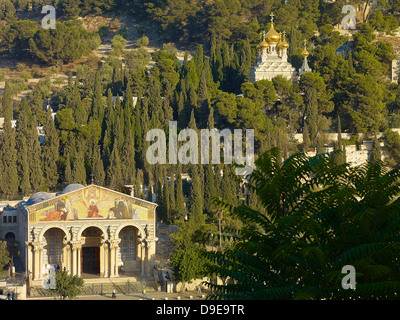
x=272, y=35
x=305, y=52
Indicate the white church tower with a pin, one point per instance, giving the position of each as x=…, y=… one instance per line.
x=272, y=57
x=305, y=67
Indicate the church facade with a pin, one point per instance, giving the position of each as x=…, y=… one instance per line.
x=86, y=230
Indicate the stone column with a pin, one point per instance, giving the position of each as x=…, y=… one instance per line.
x=150, y=254
x=73, y=262
x=69, y=259
x=106, y=259
x=37, y=261
x=103, y=261
x=76, y=258
x=79, y=258
x=65, y=256
x=142, y=257
x=112, y=260
x=29, y=257
x=114, y=257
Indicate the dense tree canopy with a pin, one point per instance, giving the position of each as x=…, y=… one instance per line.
x=315, y=218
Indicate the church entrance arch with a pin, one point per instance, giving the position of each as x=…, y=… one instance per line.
x=53, y=246
x=90, y=253
x=128, y=249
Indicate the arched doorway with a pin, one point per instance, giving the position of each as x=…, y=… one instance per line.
x=53, y=246
x=128, y=250
x=90, y=253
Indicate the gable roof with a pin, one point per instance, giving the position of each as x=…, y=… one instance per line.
x=41, y=197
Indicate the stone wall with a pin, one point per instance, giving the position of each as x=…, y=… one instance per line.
x=355, y=155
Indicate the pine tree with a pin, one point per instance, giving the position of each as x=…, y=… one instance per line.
x=50, y=152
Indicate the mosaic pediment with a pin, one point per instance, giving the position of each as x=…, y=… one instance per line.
x=91, y=202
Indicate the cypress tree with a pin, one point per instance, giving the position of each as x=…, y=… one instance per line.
x=97, y=167
x=199, y=59
x=128, y=160
x=204, y=98
x=320, y=144
x=180, y=114
x=105, y=152
x=118, y=130
x=97, y=111
x=344, y=152
x=9, y=185
x=154, y=103
x=179, y=200
x=376, y=154
x=306, y=138
x=137, y=128
x=7, y=102
x=172, y=195
x=35, y=162
x=210, y=191
x=114, y=170
x=50, y=152
x=22, y=147
x=138, y=184
x=196, y=199
x=339, y=158
x=78, y=170
x=23, y=167
x=166, y=198
x=68, y=171
x=145, y=126
x=168, y=114
x=228, y=186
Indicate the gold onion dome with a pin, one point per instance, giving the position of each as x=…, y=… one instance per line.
x=305, y=52
x=272, y=35
x=263, y=45
x=283, y=44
